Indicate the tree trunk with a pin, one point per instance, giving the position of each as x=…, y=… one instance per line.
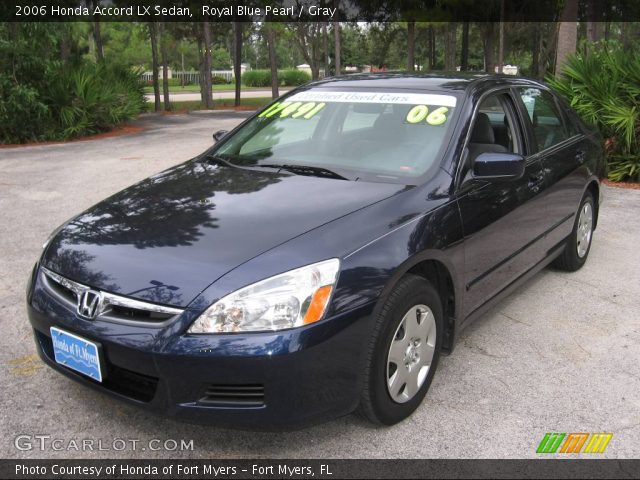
x=206, y=65
x=432, y=48
x=411, y=44
x=97, y=37
x=271, y=44
x=96, y=34
x=464, y=52
x=337, y=47
x=594, y=18
x=237, y=59
x=567, y=34
x=450, y=47
x=626, y=35
x=315, y=71
x=501, y=39
x=535, y=50
x=65, y=44
x=165, y=67
x=489, y=48
x=325, y=47
x=201, y=56
x=153, y=34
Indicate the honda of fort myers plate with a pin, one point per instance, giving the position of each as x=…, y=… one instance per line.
x=319, y=258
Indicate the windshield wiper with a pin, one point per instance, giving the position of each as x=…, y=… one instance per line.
x=219, y=160
x=305, y=170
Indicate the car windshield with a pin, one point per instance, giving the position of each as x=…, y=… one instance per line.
x=369, y=135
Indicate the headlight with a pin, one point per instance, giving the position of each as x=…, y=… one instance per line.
x=292, y=299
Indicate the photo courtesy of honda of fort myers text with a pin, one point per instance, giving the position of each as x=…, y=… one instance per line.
x=319, y=239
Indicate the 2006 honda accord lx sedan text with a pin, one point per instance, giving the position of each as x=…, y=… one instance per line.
x=319, y=258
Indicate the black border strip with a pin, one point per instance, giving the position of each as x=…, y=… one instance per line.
x=320, y=10
x=374, y=469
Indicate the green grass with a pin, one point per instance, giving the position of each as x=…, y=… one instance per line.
x=196, y=88
x=226, y=103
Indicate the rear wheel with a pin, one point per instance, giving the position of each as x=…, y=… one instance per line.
x=578, y=245
x=403, y=353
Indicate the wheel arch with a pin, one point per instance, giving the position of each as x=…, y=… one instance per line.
x=436, y=268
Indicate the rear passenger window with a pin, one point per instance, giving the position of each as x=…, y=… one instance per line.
x=548, y=125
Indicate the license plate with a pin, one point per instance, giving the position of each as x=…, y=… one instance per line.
x=77, y=353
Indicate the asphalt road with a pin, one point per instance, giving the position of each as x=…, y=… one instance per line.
x=561, y=354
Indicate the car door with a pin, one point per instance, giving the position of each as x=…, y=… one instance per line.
x=502, y=220
x=562, y=150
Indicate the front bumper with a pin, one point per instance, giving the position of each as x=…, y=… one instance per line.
x=274, y=381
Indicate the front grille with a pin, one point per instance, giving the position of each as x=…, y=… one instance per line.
x=137, y=315
x=114, y=308
x=233, y=396
x=63, y=291
x=128, y=383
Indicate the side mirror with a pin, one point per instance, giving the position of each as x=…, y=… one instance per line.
x=219, y=135
x=498, y=166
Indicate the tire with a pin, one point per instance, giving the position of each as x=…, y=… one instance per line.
x=578, y=244
x=403, y=332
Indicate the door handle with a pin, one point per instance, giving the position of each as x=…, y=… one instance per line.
x=581, y=156
x=535, y=182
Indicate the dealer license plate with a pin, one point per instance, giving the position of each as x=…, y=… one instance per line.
x=76, y=353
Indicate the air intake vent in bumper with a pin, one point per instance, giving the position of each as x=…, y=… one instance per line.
x=233, y=396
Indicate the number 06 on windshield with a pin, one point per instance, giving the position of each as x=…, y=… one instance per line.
x=420, y=113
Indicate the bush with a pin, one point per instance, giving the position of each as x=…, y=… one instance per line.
x=603, y=86
x=293, y=77
x=218, y=80
x=23, y=115
x=256, y=78
x=288, y=78
x=93, y=98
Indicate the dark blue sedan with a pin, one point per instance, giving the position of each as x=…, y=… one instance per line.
x=320, y=258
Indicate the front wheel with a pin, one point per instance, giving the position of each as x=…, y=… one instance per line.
x=578, y=245
x=403, y=353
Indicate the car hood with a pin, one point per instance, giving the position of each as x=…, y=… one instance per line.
x=170, y=236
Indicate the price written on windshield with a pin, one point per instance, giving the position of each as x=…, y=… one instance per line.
x=303, y=110
x=307, y=110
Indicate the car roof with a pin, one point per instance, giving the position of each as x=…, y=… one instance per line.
x=449, y=82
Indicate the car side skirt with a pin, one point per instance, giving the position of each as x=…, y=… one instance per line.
x=505, y=292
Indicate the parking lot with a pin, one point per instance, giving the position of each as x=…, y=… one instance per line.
x=561, y=354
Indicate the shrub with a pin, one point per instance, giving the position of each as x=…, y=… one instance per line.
x=603, y=87
x=219, y=80
x=77, y=99
x=23, y=115
x=256, y=78
x=92, y=98
x=293, y=77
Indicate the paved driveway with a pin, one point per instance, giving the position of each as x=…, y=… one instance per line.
x=561, y=354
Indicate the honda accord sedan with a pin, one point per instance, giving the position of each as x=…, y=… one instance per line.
x=318, y=259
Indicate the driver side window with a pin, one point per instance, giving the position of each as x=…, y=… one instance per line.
x=493, y=130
